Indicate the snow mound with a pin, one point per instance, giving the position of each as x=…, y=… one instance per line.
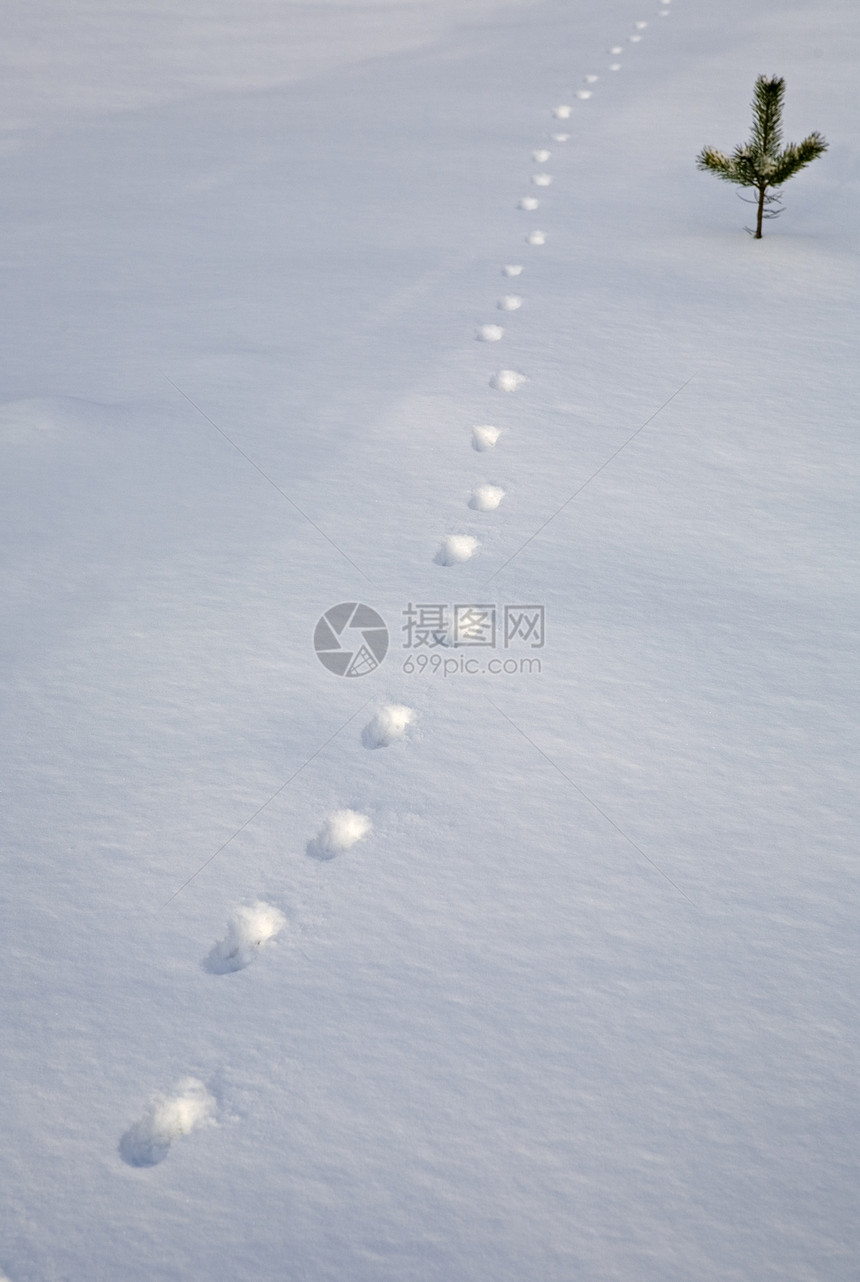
x=340, y=832
x=510, y=303
x=507, y=380
x=486, y=498
x=388, y=726
x=528, y=202
x=536, y=238
x=513, y=269
x=456, y=548
x=249, y=928
x=170, y=1116
x=490, y=333
x=485, y=437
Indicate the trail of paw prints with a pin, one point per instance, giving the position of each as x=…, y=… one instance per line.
x=485, y=437
x=490, y=333
x=341, y=831
x=486, y=498
x=249, y=929
x=388, y=725
x=456, y=548
x=507, y=380
x=169, y=1117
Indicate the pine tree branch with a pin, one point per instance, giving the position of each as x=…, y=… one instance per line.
x=797, y=156
x=767, y=114
x=716, y=162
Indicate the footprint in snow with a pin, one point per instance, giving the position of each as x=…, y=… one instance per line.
x=560, y=137
x=536, y=238
x=148, y=1141
x=510, y=303
x=541, y=156
x=249, y=928
x=489, y=333
x=456, y=548
x=615, y=66
x=484, y=437
x=634, y=39
x=340, y=832
x=528, y=202
x=583, y=93
x=590, y=80
x=389, y=725
x=617, y=49
x=562, y=112
x=512, y=269
x=507, y=380
x=640, y=26
x=486, y=498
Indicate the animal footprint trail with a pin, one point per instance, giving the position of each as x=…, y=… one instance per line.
x=169, y=1117
x=456, y=548
x=485, y=437
x=490, y=333
x=486, y=498
x=388, y=725
x=248, y=930
x=340, y=832
x=507, y=380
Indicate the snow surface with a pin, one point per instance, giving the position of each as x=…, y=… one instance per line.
x=562, y=983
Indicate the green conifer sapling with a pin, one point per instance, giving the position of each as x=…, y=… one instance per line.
x=760, y=163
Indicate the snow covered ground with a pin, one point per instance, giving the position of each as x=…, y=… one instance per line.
x=492, y=964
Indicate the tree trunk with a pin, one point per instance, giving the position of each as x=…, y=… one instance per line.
x=761, y=192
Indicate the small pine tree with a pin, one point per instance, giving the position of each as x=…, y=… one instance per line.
x=760, y=163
